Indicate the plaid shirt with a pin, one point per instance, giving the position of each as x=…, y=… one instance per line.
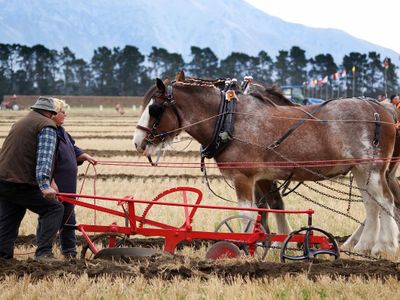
x=44, y=158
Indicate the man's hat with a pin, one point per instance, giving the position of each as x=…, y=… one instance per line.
x=45, y=104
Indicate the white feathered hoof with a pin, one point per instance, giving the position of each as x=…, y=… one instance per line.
x=363, y=247
x=385, y=248
x=348, y=245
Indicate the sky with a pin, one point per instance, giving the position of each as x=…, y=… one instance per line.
x=376, y=21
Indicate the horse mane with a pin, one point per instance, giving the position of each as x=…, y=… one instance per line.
x=276, y=91
x=148, y=95
x=263, y=98
x=266, y=93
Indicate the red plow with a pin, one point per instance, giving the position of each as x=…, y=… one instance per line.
x=113, y=240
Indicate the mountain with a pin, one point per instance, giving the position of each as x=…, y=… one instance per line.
x=224, y=26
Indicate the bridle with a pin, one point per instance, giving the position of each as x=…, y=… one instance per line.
x=156, y=111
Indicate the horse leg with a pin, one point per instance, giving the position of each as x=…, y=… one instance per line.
x=365, y=235
x=380, y=229
x=244, y=187
x=388, y=238
x=271, y=197
x=395, y=189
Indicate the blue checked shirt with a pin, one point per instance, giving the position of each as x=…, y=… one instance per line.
x=44, y=158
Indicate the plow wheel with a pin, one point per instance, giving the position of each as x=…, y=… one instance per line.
x=246, y=224
x=105, y=241
x=223, y=249
x=307, y=249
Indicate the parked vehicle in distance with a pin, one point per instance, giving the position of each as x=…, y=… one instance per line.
x=295, y=94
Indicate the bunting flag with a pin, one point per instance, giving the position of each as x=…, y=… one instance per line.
x=336, y=75
x=386, y=63
x=325, y=79
x=344, y=73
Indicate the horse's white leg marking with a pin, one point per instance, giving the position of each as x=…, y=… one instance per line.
x=353, y=239
x=139, y=135
x=387, y=240
x=364, y=239
x=244, y=187
x=244, y=203
x=282, y=224
x=380, y=229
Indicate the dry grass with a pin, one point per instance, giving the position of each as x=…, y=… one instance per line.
x=84, y=122
x=283, y=288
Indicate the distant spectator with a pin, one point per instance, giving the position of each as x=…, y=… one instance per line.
x=381, y=97
x=119, y=108
x=383, y=100
x=394, y=99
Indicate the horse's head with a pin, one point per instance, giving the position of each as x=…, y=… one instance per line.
x=159, y=122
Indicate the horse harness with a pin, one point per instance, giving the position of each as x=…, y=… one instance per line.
x=299, y=123
x=224, y=127
x=156, y=111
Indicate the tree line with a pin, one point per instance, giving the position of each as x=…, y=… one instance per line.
x=126, y=71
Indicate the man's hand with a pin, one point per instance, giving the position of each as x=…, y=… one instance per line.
x=87, y=157
x=54, y=186
x=49, y=193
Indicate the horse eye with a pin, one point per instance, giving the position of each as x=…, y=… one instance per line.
x=156, y=110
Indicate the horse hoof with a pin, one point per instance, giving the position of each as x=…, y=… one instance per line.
x=348, y=245
x=384, y=249
x=362, y=248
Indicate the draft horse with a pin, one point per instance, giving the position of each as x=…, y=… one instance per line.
x=340, y=130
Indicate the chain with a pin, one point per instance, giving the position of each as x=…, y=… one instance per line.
x=187, y=146
x=328, y=208
x=348, y=253
x=351, y=187
x=322, y=177
x=338, y=191
x=330, y=196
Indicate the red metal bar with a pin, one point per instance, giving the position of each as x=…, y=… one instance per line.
x=70, y=199
x=186, y=210
x=308, y=211
x=174, y=235
x=87, y=238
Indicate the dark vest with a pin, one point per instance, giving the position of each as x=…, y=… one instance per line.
x=18, y=152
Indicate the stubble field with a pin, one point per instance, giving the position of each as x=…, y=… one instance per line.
x=107, y=136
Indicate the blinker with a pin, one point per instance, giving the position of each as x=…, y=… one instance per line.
x=156, y=110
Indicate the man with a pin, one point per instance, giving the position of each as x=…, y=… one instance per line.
x=26, y=163
x=68, y=157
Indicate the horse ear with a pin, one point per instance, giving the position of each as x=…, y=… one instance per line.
x=160, y=85
x=180, y=76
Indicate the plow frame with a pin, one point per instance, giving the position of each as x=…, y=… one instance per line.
x=135, y=225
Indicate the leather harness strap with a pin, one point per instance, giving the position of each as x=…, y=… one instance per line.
x=223, y=130
x=297, y=125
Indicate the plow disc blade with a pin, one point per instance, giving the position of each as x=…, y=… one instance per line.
x=223, y=249
x=125, y=253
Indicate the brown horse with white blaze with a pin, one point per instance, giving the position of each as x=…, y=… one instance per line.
x=340, y=130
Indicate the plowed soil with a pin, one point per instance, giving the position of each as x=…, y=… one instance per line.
x=176, y=266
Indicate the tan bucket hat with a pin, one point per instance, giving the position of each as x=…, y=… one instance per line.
x=45, y=103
